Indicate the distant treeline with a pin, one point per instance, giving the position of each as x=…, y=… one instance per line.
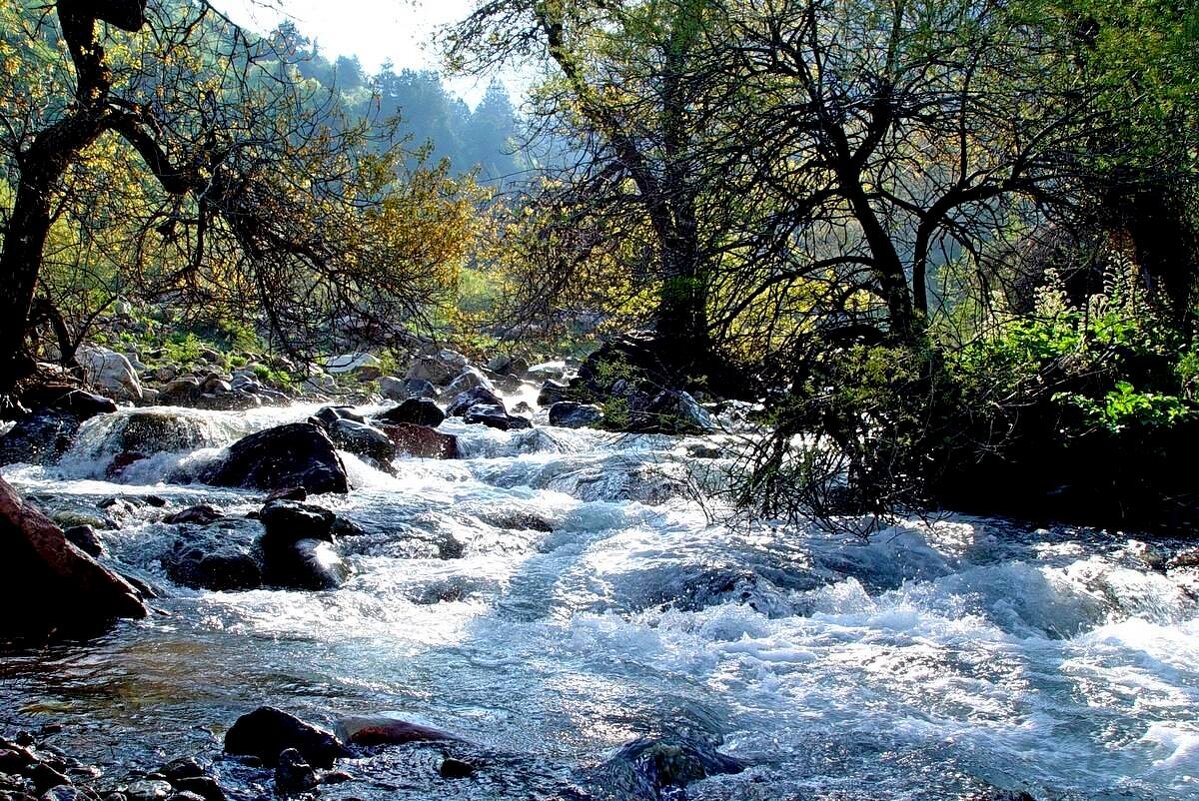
x=488, y=137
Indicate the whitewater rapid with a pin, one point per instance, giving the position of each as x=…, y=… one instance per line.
x=555, y=594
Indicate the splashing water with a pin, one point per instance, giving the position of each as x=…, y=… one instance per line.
x=591, y=602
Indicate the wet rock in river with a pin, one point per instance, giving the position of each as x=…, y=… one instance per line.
x=468, y=379
x=456, y=769
x=201, y=515
x=85, y=539
x=386, y=730
x=55, y=585
x=224, y=567
x=149, y=790
x=422, y=441
x=301, y=564
x=40, y=438
x=205, y=787
x=182, y=768
x=297, y=521
x=568, y=414
x=552, y=392
x=401, y=389
x=418, y=411
x=288, y=494
x=267, y=732
x=659, y=768
x=671, y=412
x=84, y=405
x=156, y=431
x=328, y=415
x=464, y=401
x=363, y=440
x=293, y=455
x=293, y=775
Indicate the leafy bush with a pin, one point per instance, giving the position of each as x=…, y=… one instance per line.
x=1087, y=405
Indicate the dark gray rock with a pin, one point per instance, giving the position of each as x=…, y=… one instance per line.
x=267, y=732
x=422, y=441
x=363, y=440
x=328, y=415
x=552, y=392
x=306, y=564
x=569, y=414
x=295, y=455
x=204, y=786
x=292, y=520
x=201, y=515
x=658, y=769
x=214, y=565
x=85, y=539
x=182, y=768
x=456, y=769
x=417, y=411
x=85, y=405
x=293, y=775
x=463, y=402
x=40, y=438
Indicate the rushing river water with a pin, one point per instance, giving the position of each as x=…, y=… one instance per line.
x=933, y=662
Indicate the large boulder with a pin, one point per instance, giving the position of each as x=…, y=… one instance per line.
x=293, y=455
x=267, y=732
x=47, y=584
x=156, y=431
x=418, y=411
x=422, y=441
x=40, y=438
x=110, y=372
x=180, y=392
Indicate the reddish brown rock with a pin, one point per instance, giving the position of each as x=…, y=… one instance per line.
x=386, y=730
x=47, y=584
x=422, y=441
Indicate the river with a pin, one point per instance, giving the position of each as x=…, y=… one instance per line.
x=935, y=660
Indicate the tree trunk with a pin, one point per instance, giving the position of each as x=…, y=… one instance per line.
x=42, y=167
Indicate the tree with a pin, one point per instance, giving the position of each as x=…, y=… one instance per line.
x=633, y=96
x=256, y=197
